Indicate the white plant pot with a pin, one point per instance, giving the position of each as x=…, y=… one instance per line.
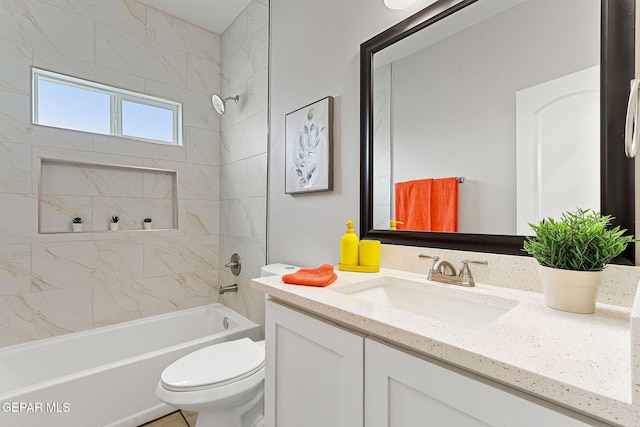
x=570, y=290
x=147, y=225
x=76, y=226
x=114, y=226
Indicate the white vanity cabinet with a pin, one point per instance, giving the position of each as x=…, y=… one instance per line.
x=406, y=390
x=319, y=375
x=314, y=371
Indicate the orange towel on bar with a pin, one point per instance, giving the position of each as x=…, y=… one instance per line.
x=318, y=276
x=427, y=204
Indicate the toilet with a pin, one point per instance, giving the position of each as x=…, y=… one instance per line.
x=223, y=383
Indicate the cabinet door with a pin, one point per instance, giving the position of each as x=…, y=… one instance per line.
x=402, y=390
x=314, y=371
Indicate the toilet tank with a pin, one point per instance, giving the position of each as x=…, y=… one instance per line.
x=277, y=269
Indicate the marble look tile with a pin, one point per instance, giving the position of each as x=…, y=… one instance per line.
x=15, y=116
x=90, y=180
x=128, y=15
x=44, y=153
x=244, y=217
x=135, y=148
x=158, y=184
x=233, y=180
x=200, y=182
x=15, y=168
x=119, y=302
x=257, y=93
x=203, y=75
x=258, y=35
x=85, y=263
x=180, y=255
x=256, y=173
x=234, y=37
x=236, y=113
x=201, y=287
x=57, y=212
x=178, y=34
x=202, y=217
x=36, y=315
x=127, y=52
x=87, y=70
x=203, y=146
x=255, y=257
x=20, y=214
x=245, y=139
x=247, y=301
x=15, y=269
x=16, y=78
x=40, y=25
x=197, y=110
x=132, y=211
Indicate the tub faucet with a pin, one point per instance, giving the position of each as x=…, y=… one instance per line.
x=228, y=288
x=444, y=272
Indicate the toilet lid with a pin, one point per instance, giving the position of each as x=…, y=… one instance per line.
x=214, y=366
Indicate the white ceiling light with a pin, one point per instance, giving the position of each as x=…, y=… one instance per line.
x=398, y=4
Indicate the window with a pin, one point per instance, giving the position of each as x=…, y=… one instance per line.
x=70, y=103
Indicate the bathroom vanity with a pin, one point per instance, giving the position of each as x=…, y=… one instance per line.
x=375, y=350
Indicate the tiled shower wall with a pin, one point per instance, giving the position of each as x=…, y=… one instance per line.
x=52, y=284
x=243, y=188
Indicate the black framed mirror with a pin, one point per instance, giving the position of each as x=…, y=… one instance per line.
x=617, y=62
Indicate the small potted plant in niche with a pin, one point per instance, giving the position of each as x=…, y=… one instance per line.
x=572, y=252
x=76, y=223
x=114, y=225
x=147, y=223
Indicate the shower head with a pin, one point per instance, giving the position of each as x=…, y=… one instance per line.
x=218, y=102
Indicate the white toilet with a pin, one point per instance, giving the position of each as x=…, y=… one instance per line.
x=223, y=383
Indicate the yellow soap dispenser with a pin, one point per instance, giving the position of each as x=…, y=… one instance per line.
x=394, y=223
x=349, y=247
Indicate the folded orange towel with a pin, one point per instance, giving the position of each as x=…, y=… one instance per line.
x=318, y=276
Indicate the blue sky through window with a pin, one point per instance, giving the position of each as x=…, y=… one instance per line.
x=71, y=103
x=69, y=107
x=147, y=121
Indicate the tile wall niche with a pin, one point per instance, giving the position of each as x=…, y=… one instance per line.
x=96, y=192
x=57, y=283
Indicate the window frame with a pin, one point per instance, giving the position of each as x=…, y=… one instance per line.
x=117, y=96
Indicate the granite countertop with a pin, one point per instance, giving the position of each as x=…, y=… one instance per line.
x=579, y=361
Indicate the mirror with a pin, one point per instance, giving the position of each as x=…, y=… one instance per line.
x=420, y=119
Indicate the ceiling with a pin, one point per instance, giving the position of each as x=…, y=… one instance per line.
x=212, y=15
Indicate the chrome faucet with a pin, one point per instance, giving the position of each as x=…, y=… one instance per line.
x=444, y=272
x=228, y=288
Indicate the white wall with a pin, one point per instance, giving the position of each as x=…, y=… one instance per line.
x=315, y=52
x=52, y=284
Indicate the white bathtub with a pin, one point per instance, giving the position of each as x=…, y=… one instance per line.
x=107, y=376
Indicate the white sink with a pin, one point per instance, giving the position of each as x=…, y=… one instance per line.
x=458, y=306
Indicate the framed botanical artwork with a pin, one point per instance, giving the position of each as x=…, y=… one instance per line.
x=309, y=148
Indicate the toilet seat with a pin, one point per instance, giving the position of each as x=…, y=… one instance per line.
x=215, y=366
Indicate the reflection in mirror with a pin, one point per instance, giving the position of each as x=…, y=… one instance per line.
x=515, y=111
x=524, y=99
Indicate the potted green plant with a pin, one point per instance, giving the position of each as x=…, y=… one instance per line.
x=572, y=252
x=114, y=225
x=76, y=224
x=147, y=223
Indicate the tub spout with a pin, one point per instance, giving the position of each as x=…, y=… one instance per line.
x=228, y=288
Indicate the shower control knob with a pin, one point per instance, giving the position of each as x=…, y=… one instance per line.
x=234, y=264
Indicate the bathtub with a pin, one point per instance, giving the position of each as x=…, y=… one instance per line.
x=107, y=376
